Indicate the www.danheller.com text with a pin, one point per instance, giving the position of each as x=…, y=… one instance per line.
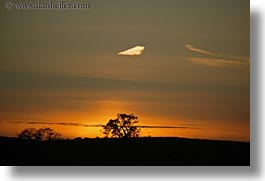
x=49, y=5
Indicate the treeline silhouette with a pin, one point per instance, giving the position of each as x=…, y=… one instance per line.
x=40, y=134
x=121, y=146
x=122, y=127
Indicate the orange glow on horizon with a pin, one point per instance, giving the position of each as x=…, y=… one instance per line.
x=218, y=131
x=104, y=110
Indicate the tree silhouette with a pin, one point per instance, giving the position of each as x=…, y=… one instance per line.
x=41, y=134
x=27, y=134
x=122, y=127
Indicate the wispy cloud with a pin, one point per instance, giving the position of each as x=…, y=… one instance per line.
x=138, y=50
x=99, y=125
x=205, y=52
x=25, y=81
x=215, y=59
x=169, y=127
x=58, y=123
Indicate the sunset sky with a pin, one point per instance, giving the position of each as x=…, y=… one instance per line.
x=189, y=67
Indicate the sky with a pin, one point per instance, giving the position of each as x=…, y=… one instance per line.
x=171, y=63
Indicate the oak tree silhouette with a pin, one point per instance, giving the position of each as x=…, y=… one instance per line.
x=41, y=134
x=122, y=127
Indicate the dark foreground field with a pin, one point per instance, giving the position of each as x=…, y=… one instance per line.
x=141, y=151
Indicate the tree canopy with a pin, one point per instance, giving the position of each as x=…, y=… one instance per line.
x=41, y=134
x=122, y=127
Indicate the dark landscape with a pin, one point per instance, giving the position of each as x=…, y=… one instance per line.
x=145, y=151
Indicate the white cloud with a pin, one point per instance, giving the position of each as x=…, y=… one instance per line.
x=138, y=50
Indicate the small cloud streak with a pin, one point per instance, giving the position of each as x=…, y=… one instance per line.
x=60, y=123
x=205, y=52
x=214, y=62
x=169, y=127
x=135, y=51
x=215, y=59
